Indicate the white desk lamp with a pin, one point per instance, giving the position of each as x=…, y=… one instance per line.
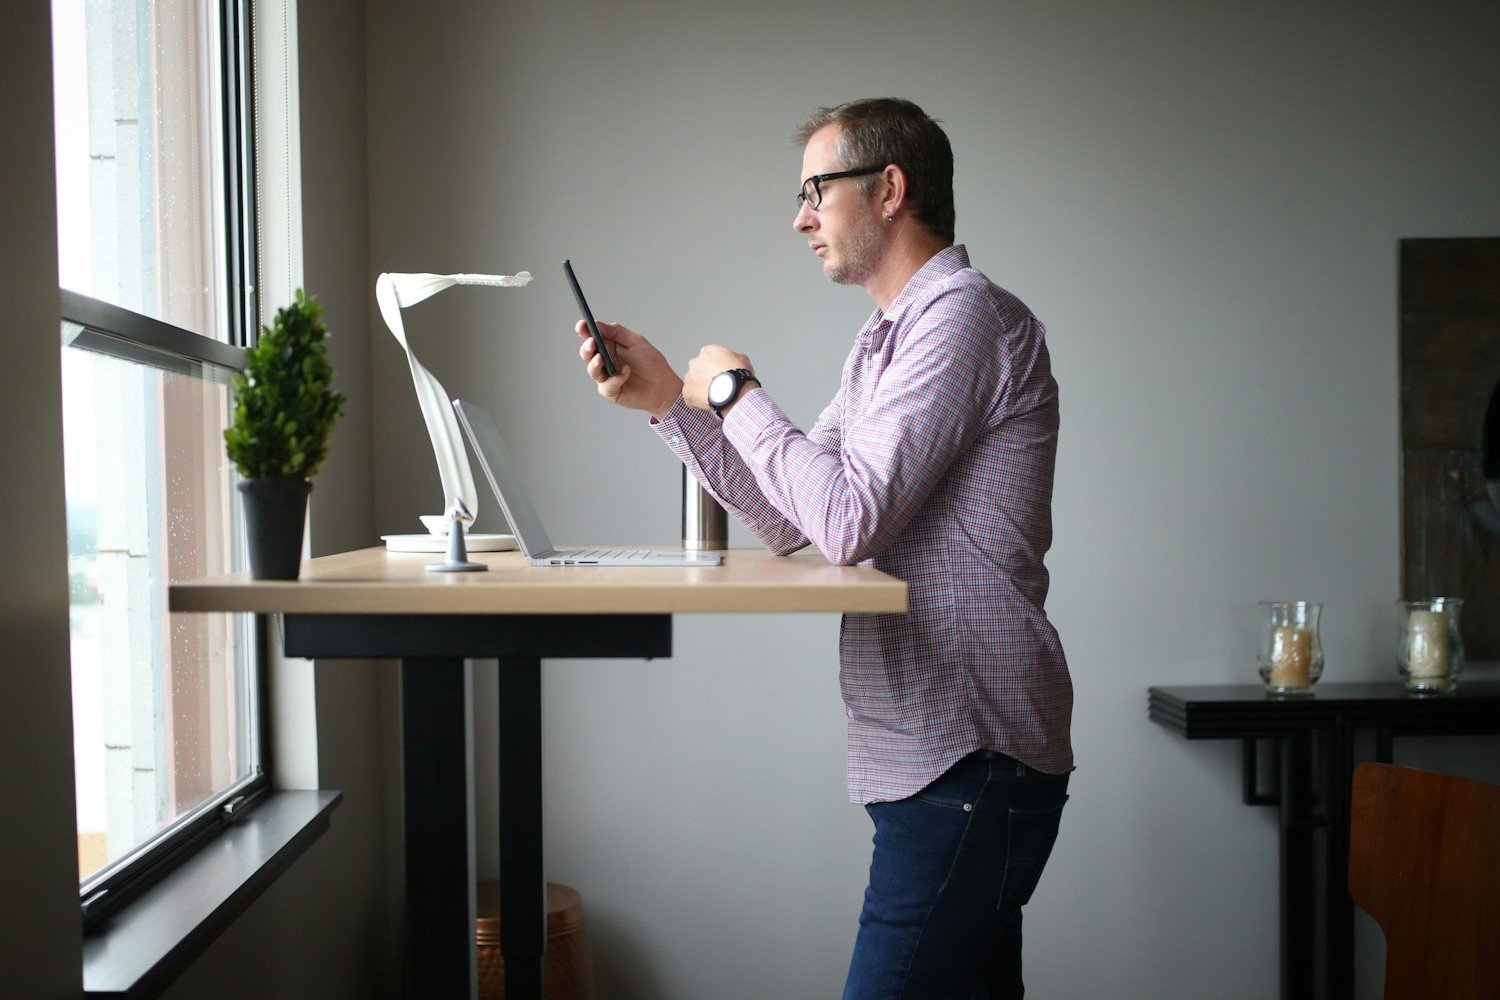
x=393, y=292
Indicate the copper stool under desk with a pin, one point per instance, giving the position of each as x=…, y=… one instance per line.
x=569, y=974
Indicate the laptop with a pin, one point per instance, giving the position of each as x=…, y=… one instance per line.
x=505, y=480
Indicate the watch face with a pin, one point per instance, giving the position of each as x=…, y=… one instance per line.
x=720, y=388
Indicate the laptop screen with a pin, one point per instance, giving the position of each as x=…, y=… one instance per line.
x=504, y=479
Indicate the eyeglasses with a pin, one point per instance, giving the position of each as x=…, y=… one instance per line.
x=812, y=188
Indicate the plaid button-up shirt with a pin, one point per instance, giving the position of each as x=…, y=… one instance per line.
x=934, y=464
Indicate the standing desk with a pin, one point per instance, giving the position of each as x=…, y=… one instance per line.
x=1302, y=769
x=374, y=604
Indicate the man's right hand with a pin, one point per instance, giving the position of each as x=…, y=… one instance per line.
x=645, y=382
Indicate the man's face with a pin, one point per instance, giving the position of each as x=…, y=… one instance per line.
x=844, y=229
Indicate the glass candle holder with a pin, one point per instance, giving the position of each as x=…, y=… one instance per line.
x=1291, y=652
x=1430, y=651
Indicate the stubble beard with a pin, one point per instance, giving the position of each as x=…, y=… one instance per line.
x=861, y=253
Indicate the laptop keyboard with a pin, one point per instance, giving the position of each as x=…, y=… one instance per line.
x=594, y=555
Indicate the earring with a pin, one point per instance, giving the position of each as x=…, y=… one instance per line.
x=890, y=218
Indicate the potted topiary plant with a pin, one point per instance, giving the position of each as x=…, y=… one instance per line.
x=284, y=412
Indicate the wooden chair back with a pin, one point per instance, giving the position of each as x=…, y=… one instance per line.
x=1424, y=861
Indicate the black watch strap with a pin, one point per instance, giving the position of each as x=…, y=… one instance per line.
x=741, y=376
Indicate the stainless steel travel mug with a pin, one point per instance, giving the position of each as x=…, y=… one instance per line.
x=705, y=525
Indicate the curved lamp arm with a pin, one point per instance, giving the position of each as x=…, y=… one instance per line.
x=393, y=292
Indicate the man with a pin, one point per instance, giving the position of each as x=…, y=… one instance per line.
x=934, y=464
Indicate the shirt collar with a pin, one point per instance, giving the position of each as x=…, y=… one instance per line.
x=945, y=262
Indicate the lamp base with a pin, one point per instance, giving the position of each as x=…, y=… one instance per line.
x=456, y=567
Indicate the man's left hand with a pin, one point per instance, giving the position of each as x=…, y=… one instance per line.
x=710, y=361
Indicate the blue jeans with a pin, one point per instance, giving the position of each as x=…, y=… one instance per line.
x=953, y=865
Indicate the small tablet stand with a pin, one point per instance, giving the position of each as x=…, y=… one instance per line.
x=458, y=553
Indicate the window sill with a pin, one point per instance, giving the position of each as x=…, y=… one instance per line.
x=140, y=950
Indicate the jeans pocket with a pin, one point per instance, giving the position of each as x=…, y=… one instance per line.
x=942, y=801
x=1029, y=840
x=959, y=787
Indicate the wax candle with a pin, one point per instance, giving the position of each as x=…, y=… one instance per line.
x=1291, y=657
x=1427, y=644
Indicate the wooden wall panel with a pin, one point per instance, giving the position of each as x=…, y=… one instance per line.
x=1450, y=369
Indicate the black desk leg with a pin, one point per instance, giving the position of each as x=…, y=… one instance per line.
x=523, y=884
x=1340, y=912
x=1297, y=902
x=436, y=748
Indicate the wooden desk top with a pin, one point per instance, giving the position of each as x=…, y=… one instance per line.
x=374, y=581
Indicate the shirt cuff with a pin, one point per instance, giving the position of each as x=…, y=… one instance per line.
x=682, y=427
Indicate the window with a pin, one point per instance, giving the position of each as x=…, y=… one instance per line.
x=155, y=262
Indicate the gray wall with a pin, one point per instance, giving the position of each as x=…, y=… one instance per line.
x=40, y=949
x=1201, y=201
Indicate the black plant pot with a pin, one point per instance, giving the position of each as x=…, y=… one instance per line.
x=275, y=510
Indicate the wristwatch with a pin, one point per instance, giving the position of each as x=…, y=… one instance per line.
x=724, y=388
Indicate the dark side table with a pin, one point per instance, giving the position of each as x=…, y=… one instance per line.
x=1309, y=742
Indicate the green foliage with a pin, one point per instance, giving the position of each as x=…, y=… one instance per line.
x=284, y=408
